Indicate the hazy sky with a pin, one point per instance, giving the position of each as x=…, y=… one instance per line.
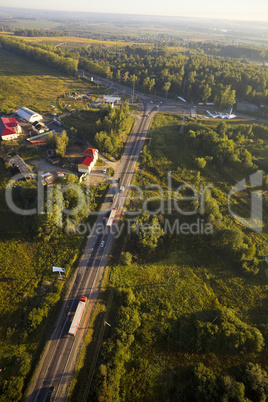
x=240, y=9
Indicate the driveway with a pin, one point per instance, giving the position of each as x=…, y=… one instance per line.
x=45, y=166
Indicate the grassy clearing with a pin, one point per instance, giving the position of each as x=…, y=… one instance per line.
x=84, y=121
x=25, y=83
x=74, y=41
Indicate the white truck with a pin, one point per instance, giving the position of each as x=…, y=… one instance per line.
x=77, y=316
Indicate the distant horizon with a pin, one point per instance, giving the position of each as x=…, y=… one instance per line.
x=206, y=14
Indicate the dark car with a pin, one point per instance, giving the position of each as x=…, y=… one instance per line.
x=50, y=391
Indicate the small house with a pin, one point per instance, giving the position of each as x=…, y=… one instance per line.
x=88, y=160
x=39, y=127
x=47, y=179
x=111, y=100
x=40, y=139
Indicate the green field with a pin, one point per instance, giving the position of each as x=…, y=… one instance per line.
x=71, y=41
x=29, y=84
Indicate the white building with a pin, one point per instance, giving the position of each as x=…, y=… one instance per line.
x=111, y=100
x=29, y=115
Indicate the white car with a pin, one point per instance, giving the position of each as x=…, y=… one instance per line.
x=102, y=243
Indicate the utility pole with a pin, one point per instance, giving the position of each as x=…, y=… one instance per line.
x=184, y=84
x=182, y=124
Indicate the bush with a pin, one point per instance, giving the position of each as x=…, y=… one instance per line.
x=110, y=171
x=200, y=163
x=126, y=258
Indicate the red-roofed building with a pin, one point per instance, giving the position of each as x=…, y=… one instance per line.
x=9, y=128
x=85, y=164
x=88, y=160
x=92, y=152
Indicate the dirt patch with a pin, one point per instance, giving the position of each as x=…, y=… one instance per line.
x=75, y=152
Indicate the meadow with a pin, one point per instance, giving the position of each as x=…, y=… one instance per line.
x=73, y=41
x=26, y=83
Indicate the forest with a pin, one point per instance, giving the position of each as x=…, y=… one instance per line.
x=196, y=76
x=37, y=32
x=232, y=51
x=106, y=128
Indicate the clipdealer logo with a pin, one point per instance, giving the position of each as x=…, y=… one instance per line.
x=54, y=197
x=255, y=222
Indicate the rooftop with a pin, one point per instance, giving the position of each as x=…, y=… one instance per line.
x=7, y=125
x=19, y=163
x=85, y=160
x=90, y=152
x=111, y=99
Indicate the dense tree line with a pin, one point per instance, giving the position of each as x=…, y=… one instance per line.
x=194, y=75
x=64, y=64
x=227, y=333
x=232, y=51
x=58, y=142
x=224, y=144
x=113, y=129
x=37, y=32
x=209, y=385
x=223, y=148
